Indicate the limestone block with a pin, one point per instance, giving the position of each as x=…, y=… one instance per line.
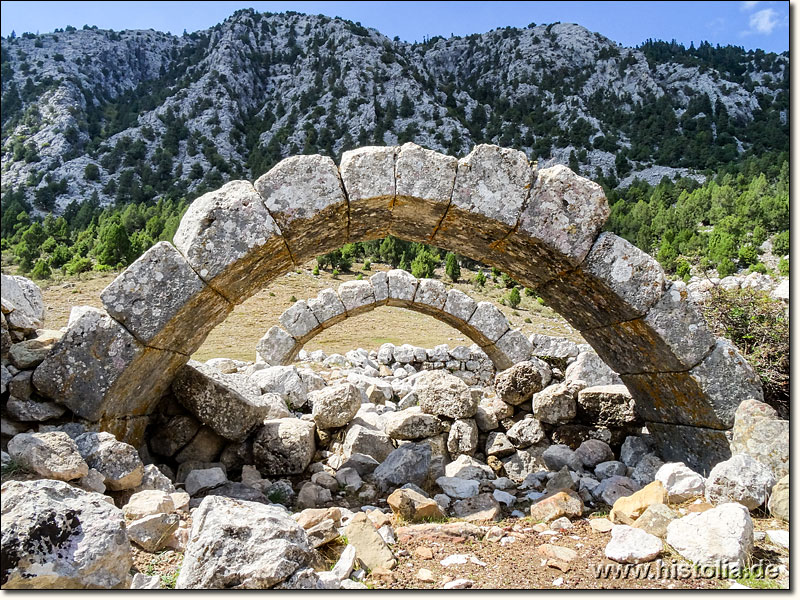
x=380, y=287
x=430, y=296
x=460, y=305
x=232, y=242
x=758, y=432
x=276, y=347
x=163, y=303
x=514, y=347
x=357, y=296
x=327, y=308
x=98, y=370
x=489, y=321
x=304, y=195
x=22, y=303
x=402, y=287
x=368, y=177
x=299, y=320
x=424, y=186
x=491, y=187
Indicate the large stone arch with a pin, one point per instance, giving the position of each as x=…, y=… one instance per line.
x=482, y=322
x=543, y=227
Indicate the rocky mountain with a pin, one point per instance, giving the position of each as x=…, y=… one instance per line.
x=133, y=116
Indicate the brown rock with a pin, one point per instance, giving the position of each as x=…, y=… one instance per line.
x=413, y=506
x=370, y=547
x=425, y=576
x=482, y=507
x=313, y=516
x=454, y=533
x=629, y=508
x=423, y=552
x=601, y=525
x=566, y=503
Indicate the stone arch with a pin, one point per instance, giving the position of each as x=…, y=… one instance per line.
x=543, y=227
x=482, y=322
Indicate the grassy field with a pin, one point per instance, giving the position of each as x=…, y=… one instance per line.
x=238, y=335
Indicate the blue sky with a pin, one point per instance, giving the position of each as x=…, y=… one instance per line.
x=750, y=24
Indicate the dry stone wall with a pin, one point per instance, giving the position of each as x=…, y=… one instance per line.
x=543, y=227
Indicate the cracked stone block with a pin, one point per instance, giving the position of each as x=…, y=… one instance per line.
x=402, y=287
x=163, y=303
x=489, y=320
x=231, y=241
x=424, y=186
x=460, y=305
x=514, y=346
x=299, y=320
x=368, y=177
x=276, y=347
x=357, y=297
x=304, y=195
x=699, y=448
x=380, y=287
x=327, y=308
x=430, y=296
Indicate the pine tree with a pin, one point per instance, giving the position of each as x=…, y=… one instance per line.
x=452, y=267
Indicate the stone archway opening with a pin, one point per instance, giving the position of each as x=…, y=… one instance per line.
x=542, y=227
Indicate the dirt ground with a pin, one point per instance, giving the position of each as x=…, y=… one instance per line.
x=238, y=335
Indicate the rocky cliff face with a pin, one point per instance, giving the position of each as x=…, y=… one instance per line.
x=136, y=115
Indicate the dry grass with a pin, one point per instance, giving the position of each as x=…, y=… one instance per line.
x=238, y=335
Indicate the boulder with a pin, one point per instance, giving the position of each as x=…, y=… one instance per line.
x=407, y=464
x=463, y=437
x=525, y=462
x=33, y=410
x=230, y=405
x=526, y=432
x=517, y=384
x=199, y=480
x=55, y=535
x=146, y=503
x=322, y=533
x=205, y=446
x=498, y=444
x=633, y=546
x=609, y=468
x=118, y=462
x=611, y=489
x=593, y=452
x=557, y=403
x=483, y=507
x=284, y=446
x=216, y=558
x=740, y=479
x=173, y=435
x=680, y=482
x=779, y=499
x=349, y=479
x=51, y=455
x=335, y=405
x=719, y=537
x=443, y=394
x=563, y=479
x=459, y=488
x=152, y=533
x=546, y=346
x=761, y=434
x=590, y=368
x=632, y=450
x=646, y=469
x=609, y=405
x=284, y=381
x=629, y=508
x=154, y=479
x=490, y=412
x=369, y=442
x=466, y=467
x=370, y=547
x=655, y=519
x=565, y=503
x=559, y=456
x=413, y=506
x=312, y=495
x=22, y=304
x=411, y=424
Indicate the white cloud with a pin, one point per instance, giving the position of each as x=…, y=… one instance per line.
x=748, y=4
x=764, y=21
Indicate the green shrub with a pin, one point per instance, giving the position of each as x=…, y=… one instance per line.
x=479, y=279
x=316, y=270
x=41, y=270
x=293, y=299
x=78, y=264
x=367, y=266
x=759, y=267
x=451, y=267
x=780, y=244
x=783, y=267
x=726, y=267
x=513, y=298
x=759, y=327
x=424, y=264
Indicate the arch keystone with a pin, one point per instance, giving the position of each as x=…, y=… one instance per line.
x=304, y=195
x=424, y=186
x=231, y=241
x=163, y=303
x=368, y=177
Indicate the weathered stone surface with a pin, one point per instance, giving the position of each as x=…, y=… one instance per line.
x=413, y=506
x=369, y=179
x=215, y=558
x=33, y=410
x=163, y=303
x=680, y=482
x=467, y=467
x=483, y=507
x=118, y=462
x=629, y=508
x=407, y=464
x=29, y=354
x=322, y=533
x=312, y=495
x=52, y=455
x=205, y=446
x=546, y=346
x=327, y=307
x=514, y=346
x=173, y=435
x=779, y=499
x=646, y=469
x=22, y=303
x=460, y=305
x=120, y=383
x=490, y=412
x=525, y=433
x=231, y=241
x=431, y=293
x=151, y=533
x=335, y=405
x=276, y=347
x=456, y=487
x=655, y=519
x=370, y=442
x=304, y=195
x=299, y=320
x=357, y=296
x=55, y=535
x=524, y=462
x=612, y=488
x=610, y=468
x=402, y=287
x=520, y=382
x=489, y=321
x=699, y=448
x=146, y=503
x=370, y=547
x=758, y=432
x=442, y=394
x=284, y=446
x=463, y=437
x=610, y=405
x=230, y=405
x=284, y=381
x=565, y=503
x=498, y=444
x=557, y=403
x=199, y=480
x=424, y=185
x=632, y=545
x=592, y=452
x=722, y=536
x=558, y=456
x=740, y=479
x=411, y=424
x=632, y=450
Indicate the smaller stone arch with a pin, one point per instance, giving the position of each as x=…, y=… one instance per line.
x=482, y=322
